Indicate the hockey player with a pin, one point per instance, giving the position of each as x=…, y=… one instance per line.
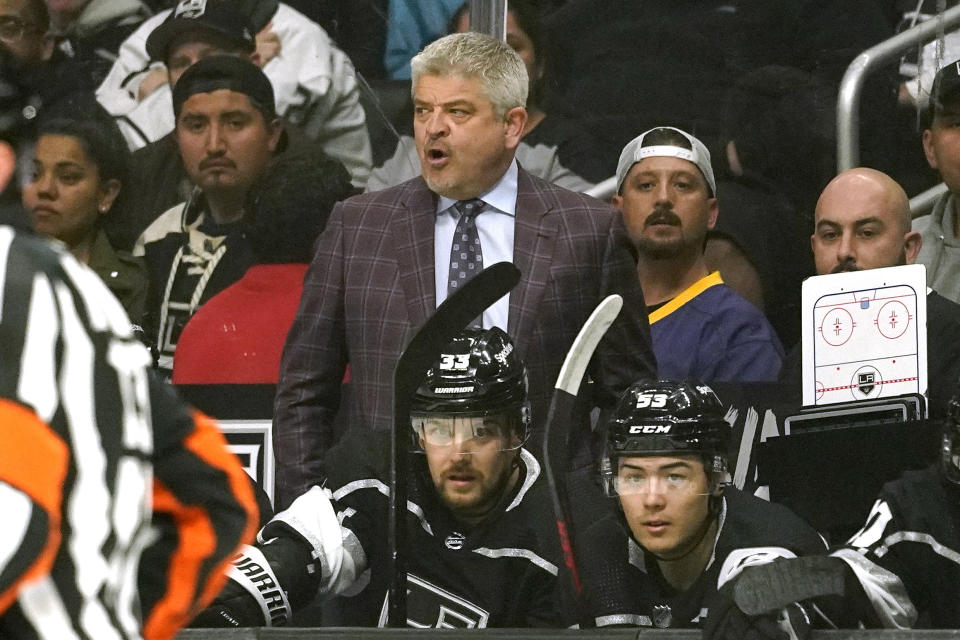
x=90, y=444
x=901, y=570
x=687, y=531
x=481, y=544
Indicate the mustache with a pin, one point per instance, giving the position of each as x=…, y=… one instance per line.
x=219, y=161
x=845, y=267
x=461, y=466
x=662, y=215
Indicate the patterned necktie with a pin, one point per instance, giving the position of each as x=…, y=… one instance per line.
x=466, y=257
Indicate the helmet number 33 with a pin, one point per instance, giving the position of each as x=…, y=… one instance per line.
x=455, y=361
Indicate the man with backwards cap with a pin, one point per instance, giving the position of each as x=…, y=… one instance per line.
x=701, y=329
x=687, y=531
x=227, y=131
x=482, y=547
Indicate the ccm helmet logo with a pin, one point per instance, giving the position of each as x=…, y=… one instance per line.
x=649, y=428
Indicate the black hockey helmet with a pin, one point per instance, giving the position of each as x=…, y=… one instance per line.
x=950, y=447
x=478, y=374
x=666, y=418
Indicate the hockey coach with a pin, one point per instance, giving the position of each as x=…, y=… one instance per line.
x=482, y=547
x=387, y=259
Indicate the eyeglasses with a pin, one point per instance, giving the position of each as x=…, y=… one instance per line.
x=12, y=28
x=469, y=433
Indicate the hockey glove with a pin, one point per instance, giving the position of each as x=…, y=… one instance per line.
x=726, y=621
x=253, y=596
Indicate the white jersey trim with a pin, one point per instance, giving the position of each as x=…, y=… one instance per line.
x=883, y=588
x=916, y=536
x=533, y=472
x=740, y=559
x=373, y=483
x=519, y=553
x=623, y=619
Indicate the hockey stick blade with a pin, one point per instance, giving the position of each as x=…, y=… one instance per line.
x=557, y=431
x=450, y=318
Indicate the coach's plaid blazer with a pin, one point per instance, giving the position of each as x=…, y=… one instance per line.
x=371, y=285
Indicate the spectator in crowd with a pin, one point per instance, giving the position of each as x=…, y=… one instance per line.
x=899, y=571
x=863, y=222
x=701, y=329
x=88, y=436
x=554, y=148
x=681, y=531
x=940, y=229
x=227, y=131
x=24, y=31
x=314, y=82
x=91, y=31
x=673, y=61
x=33, y=76
x=359, y=27
x=383, y=263
x=482, y=551
x=215, y=28
x=79, y=171
x=410, y=27
x=778, y=122
x=237, y=336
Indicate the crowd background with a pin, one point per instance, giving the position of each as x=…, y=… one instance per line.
x=92, y=152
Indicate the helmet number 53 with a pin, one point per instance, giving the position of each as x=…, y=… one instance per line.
x=652, y=400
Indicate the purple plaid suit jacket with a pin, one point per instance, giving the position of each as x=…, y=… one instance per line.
x=371, y=285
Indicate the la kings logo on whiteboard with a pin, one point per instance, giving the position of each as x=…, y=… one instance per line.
x=430, y=607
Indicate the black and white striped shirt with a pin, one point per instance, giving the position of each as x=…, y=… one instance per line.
x=82, y=444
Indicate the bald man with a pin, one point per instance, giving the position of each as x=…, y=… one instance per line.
x=862, y=221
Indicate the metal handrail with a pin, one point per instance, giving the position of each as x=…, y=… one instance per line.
x=848, y=101
x=922, y=203
x=489, y=16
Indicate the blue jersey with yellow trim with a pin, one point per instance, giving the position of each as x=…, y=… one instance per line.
x=712, y=334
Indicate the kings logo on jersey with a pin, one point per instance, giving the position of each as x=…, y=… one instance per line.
x=430, y=607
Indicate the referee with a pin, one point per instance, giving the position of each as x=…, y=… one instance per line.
x=102, y=469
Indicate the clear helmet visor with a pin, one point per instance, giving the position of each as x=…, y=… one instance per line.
x=630, y=480
x=468, y=434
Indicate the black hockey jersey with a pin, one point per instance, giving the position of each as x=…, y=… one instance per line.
x=907, y=556
x=625, y=586
x=499, y=573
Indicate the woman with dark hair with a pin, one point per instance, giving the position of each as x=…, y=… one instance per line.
x=79, y=169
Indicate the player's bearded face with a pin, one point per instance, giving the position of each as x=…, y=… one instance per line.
x=471, y=478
